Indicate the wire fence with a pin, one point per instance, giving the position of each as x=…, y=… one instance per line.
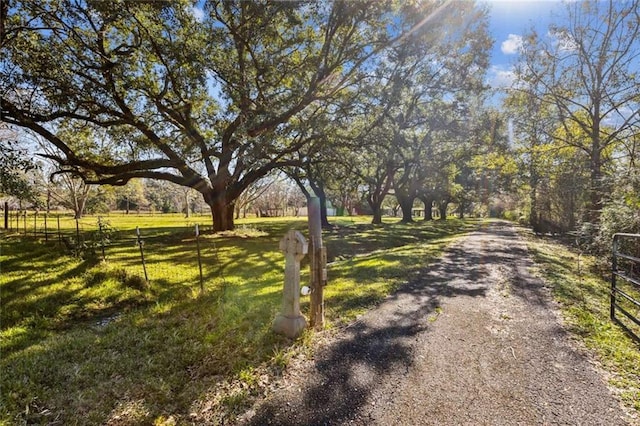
x=173, y=254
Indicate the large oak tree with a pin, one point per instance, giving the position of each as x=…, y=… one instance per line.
x=201, y=98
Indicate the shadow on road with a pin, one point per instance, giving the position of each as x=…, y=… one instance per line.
x=346, y=373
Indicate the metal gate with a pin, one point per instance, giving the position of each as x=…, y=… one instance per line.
x=625, y=283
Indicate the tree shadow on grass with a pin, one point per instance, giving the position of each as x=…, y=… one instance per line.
x=160, y=350
x=16, y=304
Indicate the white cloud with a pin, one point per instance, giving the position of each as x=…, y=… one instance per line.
x=197, y=13
x=500, y=77
x=512, y=44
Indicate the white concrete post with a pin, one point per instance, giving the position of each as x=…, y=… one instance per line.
x=290, y=321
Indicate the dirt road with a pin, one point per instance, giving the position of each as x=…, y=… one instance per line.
x=474, y=340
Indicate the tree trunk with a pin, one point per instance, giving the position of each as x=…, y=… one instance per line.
x=231, y=207
x=81, y=206
x=323, y=210
x=406, y=205
x=443, y=209
x=77, y=212
x=221, y=213
x=595, y=193
x=318, y=189
x=376, y=207
x=76, y=206
x=428, y=208
x=377, y=214
x=461, y=207
x=533, y=200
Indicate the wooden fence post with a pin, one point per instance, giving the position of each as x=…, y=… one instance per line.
x=317, y=264
x=101, y=236
x=199, y=259
x=140, y=244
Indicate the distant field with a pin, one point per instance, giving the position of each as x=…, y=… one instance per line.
x=119, y=219
x=90, y=342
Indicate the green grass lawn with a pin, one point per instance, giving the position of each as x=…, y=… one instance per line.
x=87, y=342
x=584, y=296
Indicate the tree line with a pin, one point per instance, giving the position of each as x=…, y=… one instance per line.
x=350, y=100
x=576, y=116
x=216, y=98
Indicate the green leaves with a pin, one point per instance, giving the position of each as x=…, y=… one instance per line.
x=580, y=82
x=218, y=97
x=14, y=166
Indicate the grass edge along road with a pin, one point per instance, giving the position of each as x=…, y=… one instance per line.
x=583, y=295
x=89, y=343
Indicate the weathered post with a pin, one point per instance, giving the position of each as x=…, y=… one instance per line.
x=6, y=215
x=101, y=236
x=140, y=244
x=199, y=259
x=317, y=264
x=59, y=235
x=290, y=321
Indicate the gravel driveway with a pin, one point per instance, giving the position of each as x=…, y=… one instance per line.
x=475, y=339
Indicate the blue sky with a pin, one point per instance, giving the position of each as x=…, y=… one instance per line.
x=510, y=19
